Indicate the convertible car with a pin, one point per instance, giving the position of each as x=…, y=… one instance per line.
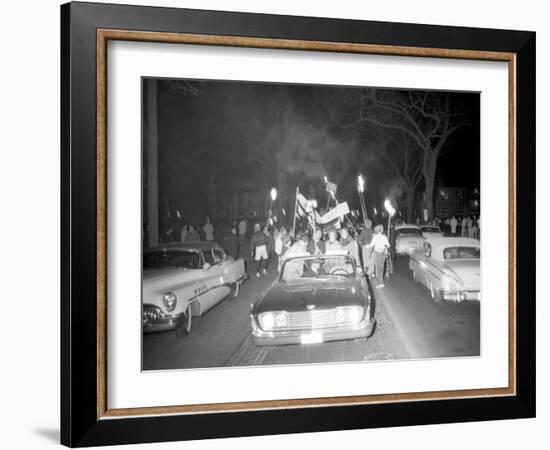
x=408, y=238
x=315, y=299
x=183, y=280
x=449, y=268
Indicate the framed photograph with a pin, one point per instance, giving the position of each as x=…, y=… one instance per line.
x=276, y=224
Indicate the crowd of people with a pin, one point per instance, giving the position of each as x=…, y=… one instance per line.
x=464, y=226
x=182, y=232
x=269, y=245
x=367, y=247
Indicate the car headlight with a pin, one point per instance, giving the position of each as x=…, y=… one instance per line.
x=355, y=314
x=449, y=285
x=267, y=320
x=169, y=300
x=281, y=319
x=340, y=315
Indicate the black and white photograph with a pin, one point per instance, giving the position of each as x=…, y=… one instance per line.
x=301, y=224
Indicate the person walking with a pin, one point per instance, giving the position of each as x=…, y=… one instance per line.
x=258, y=249
x=454, y=224
x=192, y=235
x=208, y=230
x=475, y=231
x=365, y=239
x=183, y=233
x=380, y=245
x=464, y=227
x=270, y=245
x=350, y=245
x=470, y=227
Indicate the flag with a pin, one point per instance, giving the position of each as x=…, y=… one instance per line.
x=338, y=211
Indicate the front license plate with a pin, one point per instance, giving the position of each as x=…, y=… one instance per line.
x=314, y=338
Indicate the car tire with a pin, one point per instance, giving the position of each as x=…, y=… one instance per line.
x=185, y=328
x=235, y=289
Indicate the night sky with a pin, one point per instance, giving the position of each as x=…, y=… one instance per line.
x=241, y=134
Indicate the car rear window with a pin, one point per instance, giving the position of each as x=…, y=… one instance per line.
x=431, y=230
x=403, y=231
x=461, y=253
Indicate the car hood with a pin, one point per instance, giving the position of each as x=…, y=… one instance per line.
x=467, y=270
x=321, y=295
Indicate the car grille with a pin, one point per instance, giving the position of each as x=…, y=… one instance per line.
x=151, y=313
x=321, y=318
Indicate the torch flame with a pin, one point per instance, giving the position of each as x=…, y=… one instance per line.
x=389, y=207
x=360, y=183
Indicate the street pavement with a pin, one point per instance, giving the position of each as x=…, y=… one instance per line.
x=409, y=325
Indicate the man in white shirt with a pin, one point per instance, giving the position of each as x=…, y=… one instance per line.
x=454, y=224
x=380, y=245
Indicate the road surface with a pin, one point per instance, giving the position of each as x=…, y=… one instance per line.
x=409, y=326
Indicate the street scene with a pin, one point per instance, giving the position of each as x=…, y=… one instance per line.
x=299, y=224
x=408, y=325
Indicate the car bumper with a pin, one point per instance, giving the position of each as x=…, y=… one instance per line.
x=154, y=320
x=406, y=250
x=460, y=296
x=362, y=330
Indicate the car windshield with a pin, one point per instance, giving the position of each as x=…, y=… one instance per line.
x=431, y=230
x=403, y=231
x=321, y=267
x=169, y=259
x=461, y=253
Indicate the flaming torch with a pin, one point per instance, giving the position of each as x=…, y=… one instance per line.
x=390, y=210
x=360, y=191
x=273, y=195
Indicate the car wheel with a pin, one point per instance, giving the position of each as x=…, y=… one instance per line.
x=235, y=289
x=185, y=328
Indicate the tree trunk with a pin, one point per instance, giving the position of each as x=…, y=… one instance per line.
x=410, y=203
x=429, y=182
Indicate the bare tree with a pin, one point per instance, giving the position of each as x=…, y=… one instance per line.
x=426, y=118
x=402, y=161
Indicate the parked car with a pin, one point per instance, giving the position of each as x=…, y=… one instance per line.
x=431, y=231
x=183, y=280
x=317, y=298
x=449, y=267
x=407, y=238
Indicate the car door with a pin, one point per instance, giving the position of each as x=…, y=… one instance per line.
x=219, y=265
x=213, y=280
x=424, y=268
x=432, y=268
